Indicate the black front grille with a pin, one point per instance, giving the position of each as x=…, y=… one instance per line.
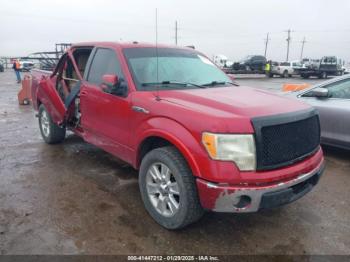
x=283, y=140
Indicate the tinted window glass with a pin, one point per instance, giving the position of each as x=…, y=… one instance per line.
x=149, y=65
x=105, y=62
x=296, y=64
x=340, y=89
x=285, y=64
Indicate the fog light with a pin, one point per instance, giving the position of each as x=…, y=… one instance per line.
x=243, y=202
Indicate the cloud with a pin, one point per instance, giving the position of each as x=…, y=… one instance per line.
x=233, y=28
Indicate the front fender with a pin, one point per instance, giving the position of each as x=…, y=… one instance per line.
x=173, y=132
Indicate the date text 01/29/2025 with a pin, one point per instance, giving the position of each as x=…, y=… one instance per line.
x=173, y=258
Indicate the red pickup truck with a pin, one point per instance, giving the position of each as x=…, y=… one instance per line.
x=199, y=141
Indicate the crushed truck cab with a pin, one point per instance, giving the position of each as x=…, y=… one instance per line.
x=199, y=141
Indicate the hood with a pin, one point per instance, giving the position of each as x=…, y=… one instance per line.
x=230, y=101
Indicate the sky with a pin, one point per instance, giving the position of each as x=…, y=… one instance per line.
x=233, y=28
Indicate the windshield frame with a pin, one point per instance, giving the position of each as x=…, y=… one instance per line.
x=160, y=87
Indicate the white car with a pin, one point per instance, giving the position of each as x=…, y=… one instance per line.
x=26, y=66
x=286, y=69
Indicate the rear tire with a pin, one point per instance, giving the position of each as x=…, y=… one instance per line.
x=166, y=166
x=51, y=133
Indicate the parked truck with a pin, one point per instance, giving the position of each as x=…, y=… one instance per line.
x=199, y=141
x=327, y=66
x=285, y=69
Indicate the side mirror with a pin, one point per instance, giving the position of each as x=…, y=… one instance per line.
x=110, y=80
x=320, y=92
x=114, y=85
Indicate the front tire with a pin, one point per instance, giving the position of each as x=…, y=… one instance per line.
x=51, y=133
x=168, y=188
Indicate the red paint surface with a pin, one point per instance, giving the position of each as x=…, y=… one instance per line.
x=180, y=117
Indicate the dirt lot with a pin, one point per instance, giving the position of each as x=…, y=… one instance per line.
x=73, y=198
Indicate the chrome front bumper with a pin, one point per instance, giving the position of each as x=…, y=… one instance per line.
x=251, y=199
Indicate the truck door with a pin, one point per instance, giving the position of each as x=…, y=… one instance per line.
x=49, y=96
x=105, y=116
x=335, y=113
x=328, y=64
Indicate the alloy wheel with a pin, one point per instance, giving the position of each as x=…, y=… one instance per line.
x=162, y=189
x=45, y=123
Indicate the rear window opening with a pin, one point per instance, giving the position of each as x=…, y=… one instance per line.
x=67, y=76
x=81, y=57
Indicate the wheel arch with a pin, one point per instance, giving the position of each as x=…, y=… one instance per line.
x=159, y=138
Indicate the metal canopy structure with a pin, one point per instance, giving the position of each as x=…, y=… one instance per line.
x=44, y=60
x=48, y=60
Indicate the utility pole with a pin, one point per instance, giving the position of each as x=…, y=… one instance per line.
x=302, y=48
x=266, y=43
x=288, y=41
x=175, y=32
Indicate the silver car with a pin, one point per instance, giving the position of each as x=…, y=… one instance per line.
x=332, y=100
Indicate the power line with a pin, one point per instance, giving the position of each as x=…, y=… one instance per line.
x=266, y=43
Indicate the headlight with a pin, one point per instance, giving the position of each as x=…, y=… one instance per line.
x=232, y=147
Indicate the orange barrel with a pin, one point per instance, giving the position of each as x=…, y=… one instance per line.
x=25, y=94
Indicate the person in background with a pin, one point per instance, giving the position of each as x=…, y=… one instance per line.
x=268, y=68
x=16, y=66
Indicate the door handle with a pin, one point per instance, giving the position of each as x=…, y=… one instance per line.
x=140, y=109
x=83, y=93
